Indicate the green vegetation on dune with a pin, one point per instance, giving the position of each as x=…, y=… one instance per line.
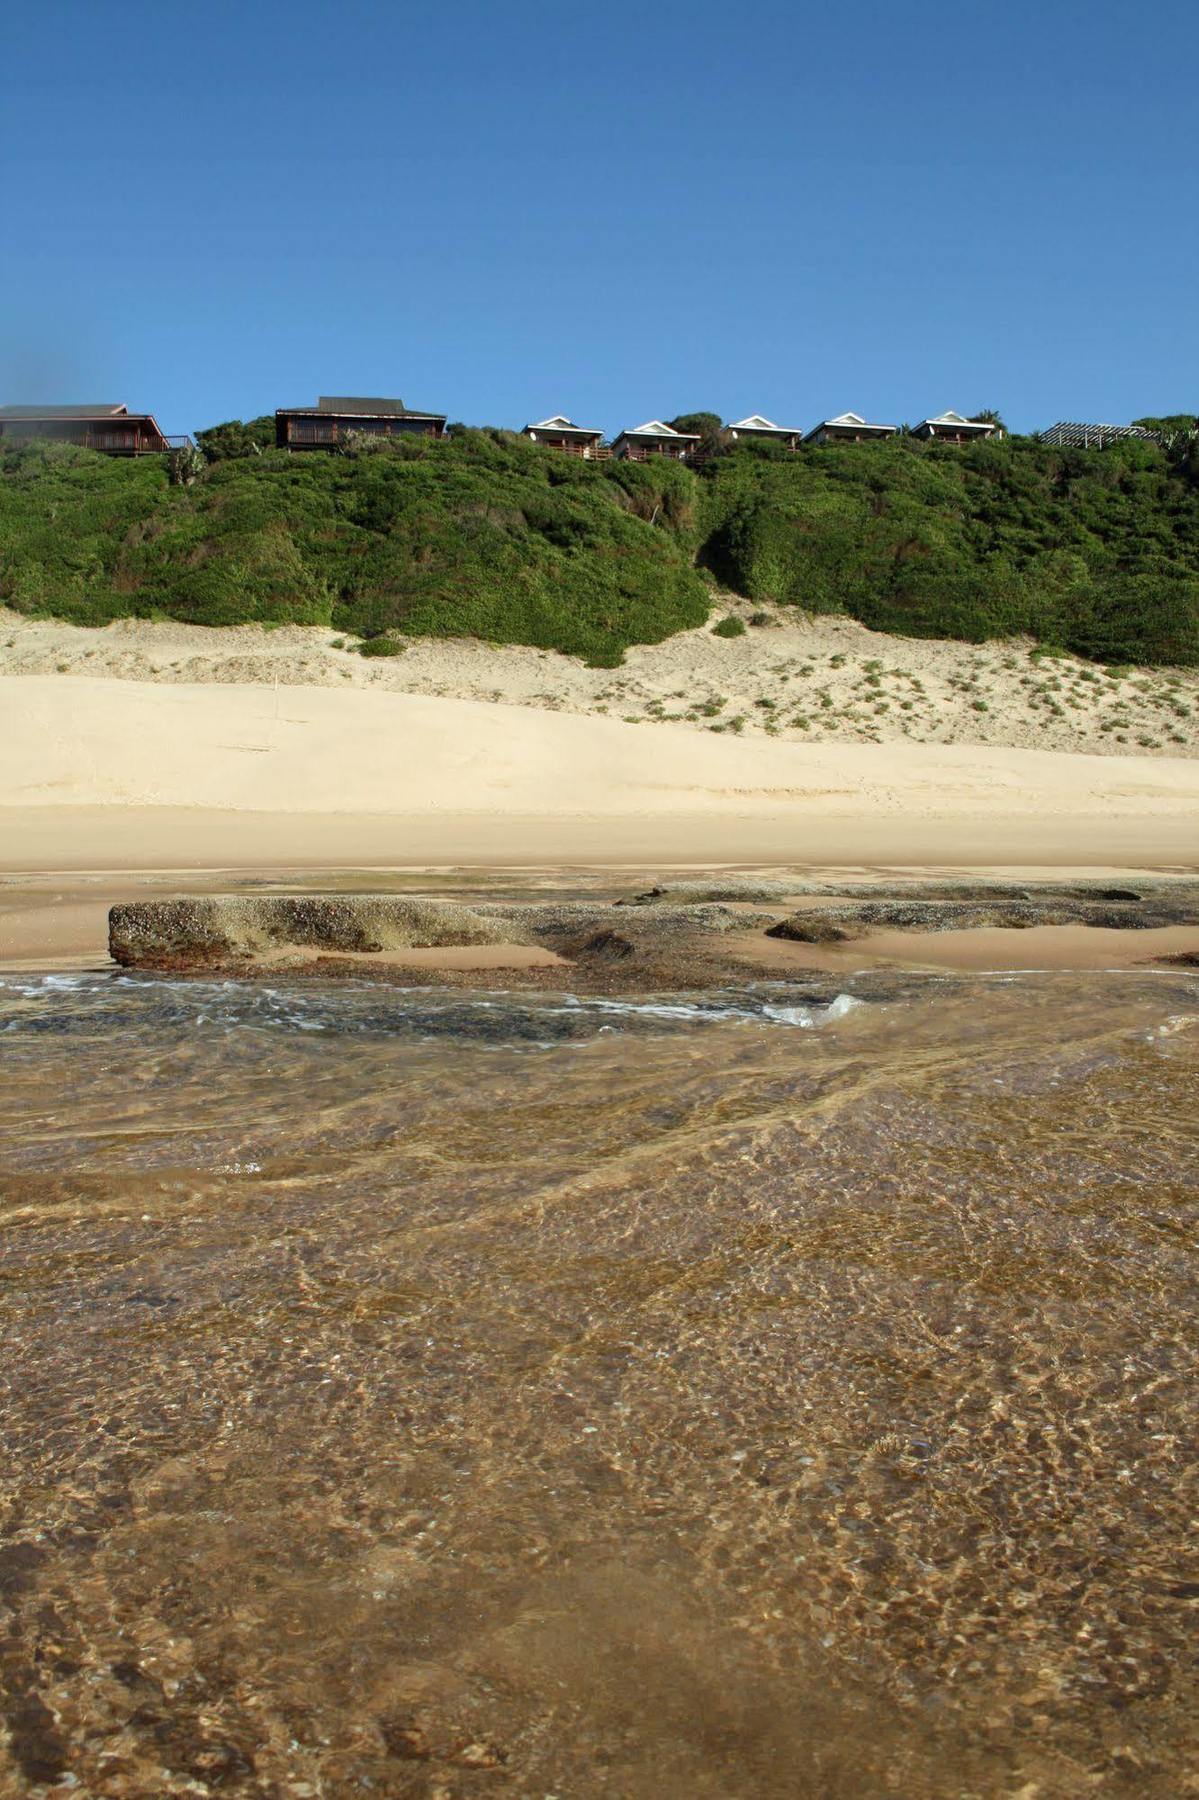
x=467, y=537
x=486, y=535
x=1095, y=551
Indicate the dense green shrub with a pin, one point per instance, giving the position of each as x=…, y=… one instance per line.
x=729, y=628
x=706, y=426
x=380, y=646
x=1082, y=548
x=1171, y=424
x=489, y=535
x=475, y=536
x=237, y=437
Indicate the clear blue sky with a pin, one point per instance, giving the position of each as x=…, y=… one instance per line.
x=619, y=209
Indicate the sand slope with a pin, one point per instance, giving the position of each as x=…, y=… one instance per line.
x=807, y=680
x=118, y=773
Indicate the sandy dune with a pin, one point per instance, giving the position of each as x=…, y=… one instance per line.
x=104, y=773
x=805, y=680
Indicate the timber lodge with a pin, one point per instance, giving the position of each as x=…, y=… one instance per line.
x=115, y=431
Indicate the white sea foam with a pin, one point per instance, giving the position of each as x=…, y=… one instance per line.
x=84, y=1000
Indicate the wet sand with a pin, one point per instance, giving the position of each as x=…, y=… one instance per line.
x=1036, y=947
x=72, y=839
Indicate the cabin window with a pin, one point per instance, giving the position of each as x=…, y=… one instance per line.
x=311, y=431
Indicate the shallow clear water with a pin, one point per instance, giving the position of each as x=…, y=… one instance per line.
x=424, y=1393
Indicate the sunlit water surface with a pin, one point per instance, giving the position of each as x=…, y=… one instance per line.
x=417, y=1393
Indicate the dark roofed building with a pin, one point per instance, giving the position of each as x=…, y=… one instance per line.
x=336, y=416
x=106, y=426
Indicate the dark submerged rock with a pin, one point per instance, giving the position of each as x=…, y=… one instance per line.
x=811, y=928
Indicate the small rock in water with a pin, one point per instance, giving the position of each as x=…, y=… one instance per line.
x=810, y=928
x=607, y=944
x=405, y=1741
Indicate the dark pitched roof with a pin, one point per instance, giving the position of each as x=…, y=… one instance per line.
x=104, y=410
x=355, y=406
x=356, y=403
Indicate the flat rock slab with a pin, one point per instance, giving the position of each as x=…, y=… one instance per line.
x=235, y=930
x=217, y=929
x=836, y=923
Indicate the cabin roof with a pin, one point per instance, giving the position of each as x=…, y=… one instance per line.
x=106, y=409
x=560, y=422
x=655, y=428
x=355, y=407
x=757, y=422
x=958, y=422
x=853, y=422
x=367, y=405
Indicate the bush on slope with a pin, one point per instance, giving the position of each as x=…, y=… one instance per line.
x=487, y=535
x=1094, y=551
x=472, y=536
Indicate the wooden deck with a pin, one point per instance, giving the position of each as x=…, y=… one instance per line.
x=647, y=453
x=117, y=443
x=585, y=452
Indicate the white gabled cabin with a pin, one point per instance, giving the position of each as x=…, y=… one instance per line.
x=951, y=428
x=848, y=428
x=561, y=433
x=764, y=430
x=655, y=439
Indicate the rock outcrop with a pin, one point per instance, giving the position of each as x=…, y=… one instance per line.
x=215, y=930
x=838, y=922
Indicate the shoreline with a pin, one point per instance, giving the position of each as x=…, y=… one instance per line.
x=126, y=840
x=577, y=930
x=119, y=789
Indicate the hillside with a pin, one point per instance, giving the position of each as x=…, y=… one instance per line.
x=486, y=536
x=468, y=537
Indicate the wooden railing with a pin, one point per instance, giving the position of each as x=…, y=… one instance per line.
x=320, y=434
x=113, y=442
x=128, y=443
x=646, y=452
x=586, y=452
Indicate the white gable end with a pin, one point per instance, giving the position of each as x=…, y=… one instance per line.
x=653, y=428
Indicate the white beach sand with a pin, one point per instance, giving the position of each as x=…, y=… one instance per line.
x=119, y=774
